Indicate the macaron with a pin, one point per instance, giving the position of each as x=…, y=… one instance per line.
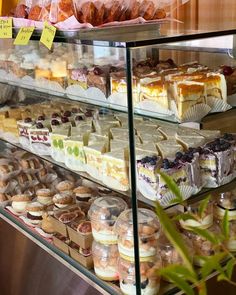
x=44, y=196
x=63, y=199
x=65, y=185
x=35, y=212
x=19, y=202
x=83, y=193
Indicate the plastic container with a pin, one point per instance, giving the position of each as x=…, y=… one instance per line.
x=201, y=246
x=150, y=281
x=103, y=214
x=226, y=200
x=169, y=254
x=149, y=229
x=105, y=258
x=231, y=243
x=203, y=221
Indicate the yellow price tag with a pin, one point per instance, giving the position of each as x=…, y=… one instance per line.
x=24, y=36
x=6, y=28
x=48, y=35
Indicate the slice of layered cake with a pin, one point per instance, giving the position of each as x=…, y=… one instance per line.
x=217, y=162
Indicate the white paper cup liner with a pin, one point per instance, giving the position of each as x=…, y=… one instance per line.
x=27, y=221
x=232, y=99
x=28, y=82
x=24, y=142
x=74, y=164
x=9, y=208
x=155, y=107
x=114, y=183
x=58, y=155
x=55, y=87
x=40, y=149
x=226, y=179
x=146, y=190
x=3, y=75
x=10, y=137
x=118, y=99
x=75, y=92
x=166, y=199
x=94, y=93
x=92, y=171
x=217, y=105
x=43, y=233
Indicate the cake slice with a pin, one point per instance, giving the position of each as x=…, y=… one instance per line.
x=209, y=134
x=217, y=162
x=115, y=169
x=168, y=131
x=93, y=153
x=168, y=148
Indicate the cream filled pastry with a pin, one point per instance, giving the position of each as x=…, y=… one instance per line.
x=35, y=212
x=19, y=202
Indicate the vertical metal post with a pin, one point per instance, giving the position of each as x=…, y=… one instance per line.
x=132, y=155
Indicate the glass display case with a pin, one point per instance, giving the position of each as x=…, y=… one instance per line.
x=86, y=128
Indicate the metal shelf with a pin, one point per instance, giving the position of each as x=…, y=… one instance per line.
x=130, y=36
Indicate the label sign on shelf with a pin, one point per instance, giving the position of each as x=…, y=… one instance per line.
x=6, y=28
x=48, y=35
x=24, y=36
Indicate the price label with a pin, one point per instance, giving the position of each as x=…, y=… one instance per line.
x=48, y=35
x=6, y=28
x=24, y=36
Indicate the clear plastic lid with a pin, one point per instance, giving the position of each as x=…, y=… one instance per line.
x=227, y=200
x=104, y=251
x=148, y=223
x=106, y=208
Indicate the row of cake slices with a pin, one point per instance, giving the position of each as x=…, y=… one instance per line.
x=188, y=84
x=97, y=144
x=191, y=157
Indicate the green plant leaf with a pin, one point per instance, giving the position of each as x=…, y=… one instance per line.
x=222, y=277
x=185, y=216
x=212, y=263
x=172, y=187
x=179, y=282
x=180, y=270
x=174, y=237
x=203, y=205
x=225, y=225
x=230, y=267
x=205, y=234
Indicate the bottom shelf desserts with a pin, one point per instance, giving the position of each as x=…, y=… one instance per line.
x=150, y=281
x=105, y=258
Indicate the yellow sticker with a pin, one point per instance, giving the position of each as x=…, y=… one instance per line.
x=48, y=35
x=6, y=28
x=24, y=36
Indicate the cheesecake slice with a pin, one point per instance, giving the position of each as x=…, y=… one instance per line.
x=168, y=148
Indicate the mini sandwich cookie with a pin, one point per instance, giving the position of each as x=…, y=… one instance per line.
x=83, y=193
x=44, y=196
x=35, y=212
x=19, y=202
x=65, y=185
x=63, y=200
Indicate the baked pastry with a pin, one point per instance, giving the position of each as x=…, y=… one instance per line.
x=35, y=212
x=44, y=196
x=105, y=258
x=63, y=200
x=83, y=193
x=46, y=224
x=230, y=76
x=19, y=202
x=99, y=77
x=65, y=185
x=21, y=11
x=3, y=198
x=32, y=163
x=85, y=228
x=68, y=217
